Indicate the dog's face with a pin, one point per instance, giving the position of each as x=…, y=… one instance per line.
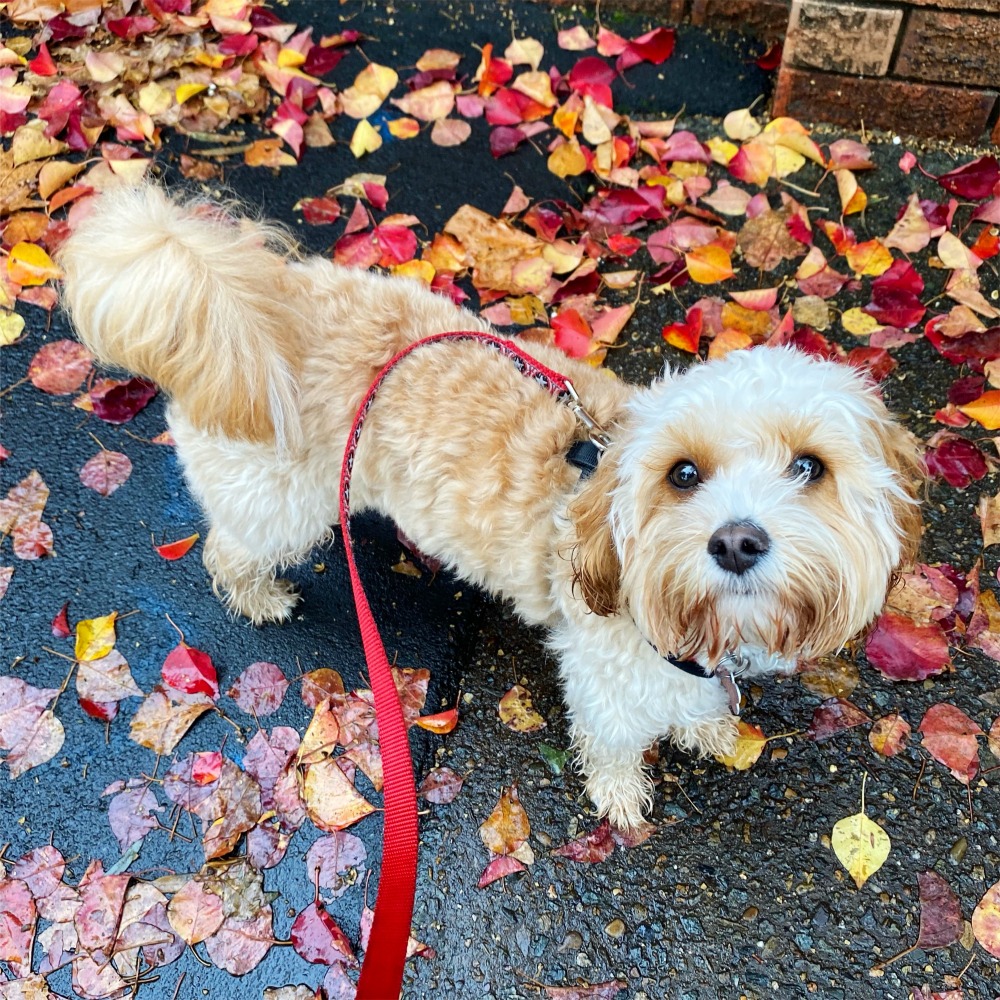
x=763, y=500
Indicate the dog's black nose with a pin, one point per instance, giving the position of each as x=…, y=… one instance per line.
x=737, y=547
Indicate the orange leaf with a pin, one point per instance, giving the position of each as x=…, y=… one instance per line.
x=708, y=264
x=985, y=410
x=870, y=257
x=29, y=264
x=440, y=723
x=174, y=550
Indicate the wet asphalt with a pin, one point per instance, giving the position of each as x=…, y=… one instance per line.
x=737, y=893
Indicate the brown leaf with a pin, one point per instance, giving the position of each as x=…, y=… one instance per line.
x=598, y=991
x=411, y=686
x=106, y=679
x=331, y=801
x=21, y=517
x=441, y=785
x=160, y=722
x=320, y=684
x=766, y=241
x=195, y=913
x=589, y=848
x=495, y=248
x=507, y=827
x=830, y=677
x=834, y=715
x=321, y=737
x=229, y=811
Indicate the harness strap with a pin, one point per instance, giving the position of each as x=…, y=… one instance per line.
x=382, y=969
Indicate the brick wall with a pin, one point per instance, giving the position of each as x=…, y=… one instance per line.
x=927, y=67
x=923, y=67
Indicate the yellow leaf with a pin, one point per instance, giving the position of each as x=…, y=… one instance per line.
x=404, y=128
x=31, y=143
x=740, y=125
x=721, y=150
x=95, y=637
x=103, y=67
x=371, y=87
x=985, y=410
x=518, y=713
x=11, y=327
x=154, y=99
x=55, y=174
x=365, y=139
x=536, y=85
x=708, y=264
x=870, y=257
x=421, y=270
x=567, y=160
x=790, y=134
x=331, y=801
x=290, y=58
x=858, y=322
x=565, y=120
x=131, y=171
x=29, y=264
x=750, y=743
x=852, y=198
x=186, y=91
x=861, y=845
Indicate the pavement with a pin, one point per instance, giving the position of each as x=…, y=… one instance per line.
x=737, y=894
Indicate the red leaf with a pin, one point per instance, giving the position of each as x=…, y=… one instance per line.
x=590, y=70
x=876, y=361
x=833, y=716
x=957, y=461
x=441, y=785
x=654, y=47
x=60, y=624
x=504, y=139
x=973, y=181
x=499, y=868
x=398, y=244
x=357, y=250
x=771, y=59
x=60, y=367
x=103, y=711
x=572, y=333
x=259, y=690
x=191, y=671
x=118, y=402
x=950, y=738
x=174, y=550
x=687, y=335
x=320, y=211
x=941, y=922
x=894, y=296
x=317, y=937
x=43, y=64
x=106, y=471
x=440, y=722
x=905, y=651
x=591, y=847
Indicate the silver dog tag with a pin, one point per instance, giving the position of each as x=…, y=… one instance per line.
x=729, y=685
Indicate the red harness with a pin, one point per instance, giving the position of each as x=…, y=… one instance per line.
x=382, y=970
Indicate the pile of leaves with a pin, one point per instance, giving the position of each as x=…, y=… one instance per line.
x=758, y=233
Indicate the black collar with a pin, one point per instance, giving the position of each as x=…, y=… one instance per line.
x=584, y=455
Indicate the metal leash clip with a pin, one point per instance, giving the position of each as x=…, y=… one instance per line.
x=598, y=436
x=730, y=667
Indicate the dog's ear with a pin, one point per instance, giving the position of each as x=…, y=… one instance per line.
x=903, y=454
x=596, y=568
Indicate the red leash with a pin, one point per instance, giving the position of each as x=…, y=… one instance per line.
x=382, y=970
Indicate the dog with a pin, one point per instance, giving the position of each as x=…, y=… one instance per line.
x=750, y=511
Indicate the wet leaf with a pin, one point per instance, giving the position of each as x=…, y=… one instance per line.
x=162, y=719
x=941, y=922
x=260, y=689
x=833, y=716
x=750, y=743
x=239, y=946
x=889, y=735
x=766, y=241
x=102, y=897
x=949, y=735
x=440, y=723
x=441, y=785
x=320, y=684
x=317, y=937
x=986, y=920
x=95, y=637
x=906, y=651
x=21, y=517
x=597, y=991
x=331, y=800
x=195, y=912
x=190, y=671
x=589, y=848
x=131, y=815
x=106, y=679
x=830, y=677
x=507, y=827
x=106, y=471
x=517, y=712
x=336, y=862
x=118, y=402
x=499, y=867
x=861, y=845
x=17, y=925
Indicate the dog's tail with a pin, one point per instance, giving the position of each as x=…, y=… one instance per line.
x=193, y=299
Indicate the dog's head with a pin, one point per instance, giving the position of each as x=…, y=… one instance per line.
x=766, y=500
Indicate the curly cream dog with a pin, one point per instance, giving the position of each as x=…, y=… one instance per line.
x=756, y=507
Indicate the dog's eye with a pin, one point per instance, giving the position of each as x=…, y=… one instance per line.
x=684, y=475
x=807, y=467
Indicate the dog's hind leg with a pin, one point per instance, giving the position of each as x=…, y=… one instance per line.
x=245, y=583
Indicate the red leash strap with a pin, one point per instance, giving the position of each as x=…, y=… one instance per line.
x=382, y=970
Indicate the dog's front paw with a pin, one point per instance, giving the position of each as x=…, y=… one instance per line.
x=270, y=601
x=714, y=737
x=624, y=795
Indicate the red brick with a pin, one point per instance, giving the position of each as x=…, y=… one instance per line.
x=667, y=11
x=913, y=108
x=950, y=48
x=765, y=19
x=842, y=37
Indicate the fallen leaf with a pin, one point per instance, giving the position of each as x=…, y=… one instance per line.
x=317, y=937
x=331, y=800
x=833, y=716
x=596, y=991
x=507, y=827
x=260, y=689
x=29, y=264
x=174, y=550
x=889, y=735
x=60, y=367
x=517, y=712
x=440, y=786
x=906, y=651
x=190, y=671
x=941, y=922
x=195, y=912
x=239, y=946
x=336, y=862
x=861, y=845
x=162, y=719
x=949, y=735
x=500, y=867
x=106, y=471
x=986, y=920
x=750, y=743
x=589, y=848
x=95, y=637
